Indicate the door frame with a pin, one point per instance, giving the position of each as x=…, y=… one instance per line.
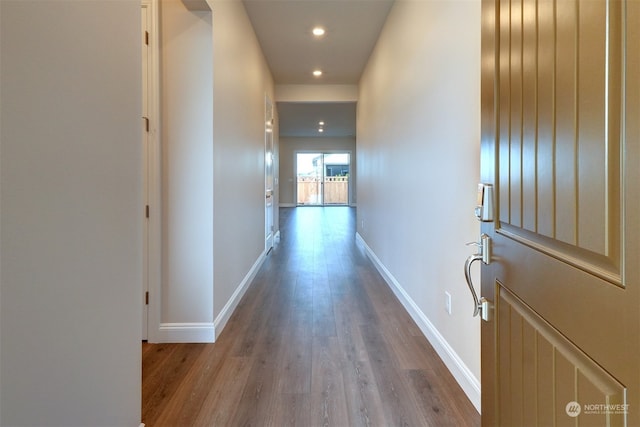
x=269, y=174
x=323, y=152
x=152, y=249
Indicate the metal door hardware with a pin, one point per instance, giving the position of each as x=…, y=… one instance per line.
x=484, y=208
x=482, y=306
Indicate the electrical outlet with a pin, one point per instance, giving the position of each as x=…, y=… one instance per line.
x=447, y=302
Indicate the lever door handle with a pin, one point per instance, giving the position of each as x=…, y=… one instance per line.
x=467, y=276
x=480, y=305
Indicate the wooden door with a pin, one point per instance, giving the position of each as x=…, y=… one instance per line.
x=560, y=143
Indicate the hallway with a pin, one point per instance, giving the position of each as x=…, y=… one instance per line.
x=318, y=339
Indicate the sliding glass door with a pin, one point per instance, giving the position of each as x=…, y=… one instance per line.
x=322, y=179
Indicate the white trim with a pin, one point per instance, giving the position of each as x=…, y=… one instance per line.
x=287, y=205
x=460, y=371
x=269, y=171
x=154, y=272
x=186, y=333
x=147, y=58
x=225, y=314
x=351, y=183
x=276, y=238
x=207, y=332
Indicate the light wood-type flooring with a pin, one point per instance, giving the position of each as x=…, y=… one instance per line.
x=318, y=340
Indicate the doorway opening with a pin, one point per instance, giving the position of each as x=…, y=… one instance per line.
x=322, y=179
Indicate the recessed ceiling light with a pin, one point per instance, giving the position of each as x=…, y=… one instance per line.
x=321, y=130
x=321, y=123
x=318, y=31
x=317, y=73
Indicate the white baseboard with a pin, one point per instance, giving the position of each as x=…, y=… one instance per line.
x=228, y=309
x=207, y=332
x=186, y=333
x=460, y=371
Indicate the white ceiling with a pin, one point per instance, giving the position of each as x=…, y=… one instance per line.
x=283, y=28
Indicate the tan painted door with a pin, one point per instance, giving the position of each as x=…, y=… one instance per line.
x=561, y=144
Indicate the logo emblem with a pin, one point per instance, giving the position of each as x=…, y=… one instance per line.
x=573, y=409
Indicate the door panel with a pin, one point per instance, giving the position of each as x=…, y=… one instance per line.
x=539, y=381
x=268, y=175
x=580, y=203
x=560, y=143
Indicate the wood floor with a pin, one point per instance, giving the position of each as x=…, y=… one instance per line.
x=318, y=340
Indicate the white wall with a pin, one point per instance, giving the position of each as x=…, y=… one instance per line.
x=71, y=224
x=213, y=84
x=418, y=167
x=186, y=76
x=241, y=79
x=316, y=93
x=288, y=149
x=1, y=221
x=1, y=138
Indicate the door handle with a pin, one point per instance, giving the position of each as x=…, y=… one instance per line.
x=482, y=305
x=467, y=275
